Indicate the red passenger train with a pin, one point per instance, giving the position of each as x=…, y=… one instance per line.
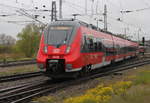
x=68, y=48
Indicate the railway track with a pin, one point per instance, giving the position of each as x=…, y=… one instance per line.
x=14, y=88
x=17, y=63
x=9, y=94
x=26, y=93
x=28, y=62
x=20, y=76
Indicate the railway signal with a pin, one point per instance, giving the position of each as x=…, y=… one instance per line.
x=143, y=41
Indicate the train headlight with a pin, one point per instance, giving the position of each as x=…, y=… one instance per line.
x=68, y=49
x=45, y=49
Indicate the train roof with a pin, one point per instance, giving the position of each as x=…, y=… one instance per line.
x=64, y=22
x=73, y=22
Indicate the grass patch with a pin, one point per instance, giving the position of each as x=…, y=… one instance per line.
x=13, y=57
x=136, y=94
x=17, y=59
x=18, y=70
x=142, y=78
x=44, y=99
x=139, y=92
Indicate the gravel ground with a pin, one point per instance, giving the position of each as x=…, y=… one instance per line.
x=74, y=90
x=17, y=70
x=22, y=81
x=79, y=89
x=4, y=71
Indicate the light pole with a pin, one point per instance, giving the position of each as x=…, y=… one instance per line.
x=105, y=17
x=60, y=9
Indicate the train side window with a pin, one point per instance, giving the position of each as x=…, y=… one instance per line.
x=118, y=48
x=84, y=47
x=99, y=45
x=89, y=43
x=95, y=44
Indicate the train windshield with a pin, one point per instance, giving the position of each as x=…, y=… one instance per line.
x=59, y=35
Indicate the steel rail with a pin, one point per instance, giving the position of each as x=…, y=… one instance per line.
x=12, y=94
x=24, y=87
x=27, y=95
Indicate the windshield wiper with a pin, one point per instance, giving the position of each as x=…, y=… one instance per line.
x=66, y=37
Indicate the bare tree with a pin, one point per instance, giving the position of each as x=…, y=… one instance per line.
x=7, y=40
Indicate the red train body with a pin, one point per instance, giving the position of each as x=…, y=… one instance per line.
x=68, y=47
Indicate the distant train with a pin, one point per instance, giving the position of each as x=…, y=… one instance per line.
x=69, y=48
x=142, y=49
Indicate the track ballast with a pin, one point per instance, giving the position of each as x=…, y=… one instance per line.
x=49, y=87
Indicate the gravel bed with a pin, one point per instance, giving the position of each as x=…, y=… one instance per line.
x=22, y=81
x=4, y=69
x=75, y=90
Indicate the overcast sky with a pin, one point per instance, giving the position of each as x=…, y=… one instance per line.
x=131, y=21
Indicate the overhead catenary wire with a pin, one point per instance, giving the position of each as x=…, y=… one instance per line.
x=81, y=12
x=129, y=24
x=81, y=9
x=132, y=25
x=22, y=12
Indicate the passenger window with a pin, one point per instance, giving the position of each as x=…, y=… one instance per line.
x=95, y=45
x=99, y=44
x=89, y=42
x=84, y=47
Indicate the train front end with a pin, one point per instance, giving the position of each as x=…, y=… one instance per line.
x=59, y=50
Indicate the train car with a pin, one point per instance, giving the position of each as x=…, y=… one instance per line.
x=70, y=48
x=141, y=49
